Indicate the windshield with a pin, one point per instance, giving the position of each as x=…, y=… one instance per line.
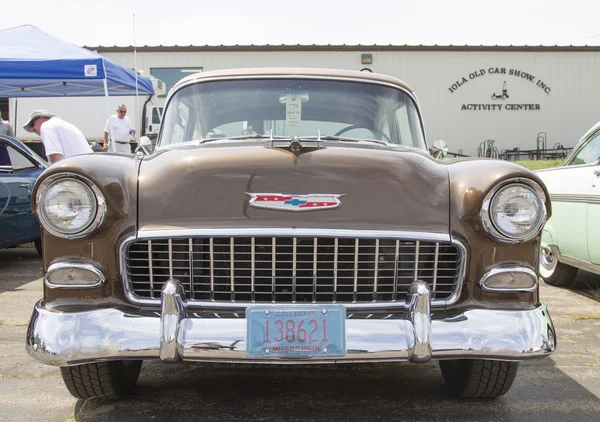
x=292, y=107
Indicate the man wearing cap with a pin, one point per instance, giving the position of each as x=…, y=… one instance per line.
x=118, y=130
x=61, y=139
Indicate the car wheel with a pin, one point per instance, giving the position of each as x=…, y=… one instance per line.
x=554, y=272
x=113, y=380
x=478, y=378
x=38, y=246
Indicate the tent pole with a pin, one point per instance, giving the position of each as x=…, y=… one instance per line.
x=14, y=116
x=135, y=124
x=111, y=144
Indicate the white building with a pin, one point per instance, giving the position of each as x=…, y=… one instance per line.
x=514, y=96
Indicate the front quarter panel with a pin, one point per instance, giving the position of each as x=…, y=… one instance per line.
x=116, y=177
x=470, y=181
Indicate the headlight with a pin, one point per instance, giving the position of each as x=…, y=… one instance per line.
x=70, y=206
x=514, y=211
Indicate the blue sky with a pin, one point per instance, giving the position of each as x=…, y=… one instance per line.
x=397, y=22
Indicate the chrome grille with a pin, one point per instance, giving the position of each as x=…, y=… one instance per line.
x=292, y=269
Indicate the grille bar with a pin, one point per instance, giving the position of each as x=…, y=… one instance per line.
x=278, y=269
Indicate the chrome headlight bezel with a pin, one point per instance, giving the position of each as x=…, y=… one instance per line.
x=94, y=222
x=488, y=221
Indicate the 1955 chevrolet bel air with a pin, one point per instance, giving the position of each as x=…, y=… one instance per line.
x=290, y=216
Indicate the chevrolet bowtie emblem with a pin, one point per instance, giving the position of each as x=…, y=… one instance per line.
x=286, y=202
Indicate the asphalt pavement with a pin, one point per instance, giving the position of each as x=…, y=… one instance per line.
x=565, y=386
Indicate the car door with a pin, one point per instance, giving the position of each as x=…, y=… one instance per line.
x=17, y=177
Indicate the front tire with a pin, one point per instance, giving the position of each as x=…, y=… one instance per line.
x=553, y=272
x=478, y=378
x=113, y=380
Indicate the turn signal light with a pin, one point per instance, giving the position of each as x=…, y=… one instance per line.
x=509, y=279
x=73, y=275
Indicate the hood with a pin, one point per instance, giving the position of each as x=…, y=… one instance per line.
x=207, y=187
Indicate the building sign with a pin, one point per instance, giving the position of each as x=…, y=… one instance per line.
x=503, y=93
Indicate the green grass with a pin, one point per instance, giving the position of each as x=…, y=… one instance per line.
x=540, y=164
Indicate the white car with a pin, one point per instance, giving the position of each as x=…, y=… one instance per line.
x=571, y=237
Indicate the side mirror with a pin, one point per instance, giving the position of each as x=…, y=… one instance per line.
x=145, y=146
x=145, y=141
x=439, y=149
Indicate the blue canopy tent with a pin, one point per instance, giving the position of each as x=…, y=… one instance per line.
x=35, y=64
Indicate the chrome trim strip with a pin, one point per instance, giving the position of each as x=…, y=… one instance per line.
x=586, y=199
x=267, y=232
x=419, y=313
x=520, y=268
x=416, y=273
x=252, y=268
x=395, y=295
x=435, y=266
x=63, y=265
x=578, y=263
x=335, y=268
x=170, y=258
x=273, y=268
x=172, y=306
x=375, y=270
x=294, y=258
x=100, y=205
x=315, y=242
x=150, y=268
x=191, y=258
x=111, y=334
x=232, y=265
x=356, y=246
x=486, y=218
x=212, y=270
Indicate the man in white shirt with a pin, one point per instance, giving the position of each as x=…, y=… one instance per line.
x=6, y=128
x=61, y=139
x=118, y=131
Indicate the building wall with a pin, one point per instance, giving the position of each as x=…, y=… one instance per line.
x=559, y=92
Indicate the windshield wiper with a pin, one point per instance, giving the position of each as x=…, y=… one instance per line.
x=243, y=137
x=342, y=139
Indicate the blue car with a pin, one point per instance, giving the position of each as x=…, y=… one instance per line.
x=19, y=169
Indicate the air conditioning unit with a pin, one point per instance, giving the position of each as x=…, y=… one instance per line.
x=160, y=88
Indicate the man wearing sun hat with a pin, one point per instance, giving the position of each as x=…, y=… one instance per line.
x=61, y=139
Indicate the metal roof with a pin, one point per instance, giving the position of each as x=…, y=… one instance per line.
x=344, y=47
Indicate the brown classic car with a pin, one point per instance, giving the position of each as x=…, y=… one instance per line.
x=290, y=216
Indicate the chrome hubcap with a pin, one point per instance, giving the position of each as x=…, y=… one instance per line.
x=548, y=262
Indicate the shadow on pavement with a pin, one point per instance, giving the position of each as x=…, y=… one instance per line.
x=193, y=392
x=19, y=266
x=587, y=284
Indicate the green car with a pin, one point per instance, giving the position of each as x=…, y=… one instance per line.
x=568, y=237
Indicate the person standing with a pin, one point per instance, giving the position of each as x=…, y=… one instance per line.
x=6, y=128
x=61, y=139
x=118, y=131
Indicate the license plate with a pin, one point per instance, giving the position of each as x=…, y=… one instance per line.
x=296, y=331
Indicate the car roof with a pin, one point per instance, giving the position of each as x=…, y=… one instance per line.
x=23, y=148
x=293, y=72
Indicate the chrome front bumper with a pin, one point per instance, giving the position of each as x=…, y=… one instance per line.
x=60, y=338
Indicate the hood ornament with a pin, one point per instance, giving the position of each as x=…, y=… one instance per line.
x=287, y=202
x=296, y=145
